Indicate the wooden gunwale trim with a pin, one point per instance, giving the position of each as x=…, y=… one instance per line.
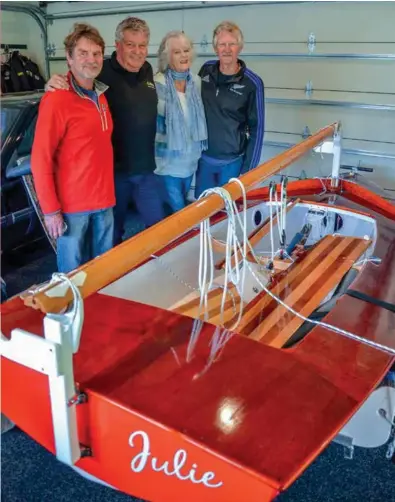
x=112, y=265
x=347, y=189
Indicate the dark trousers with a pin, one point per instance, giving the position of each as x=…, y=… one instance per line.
x=145, y=191
x=216, y=174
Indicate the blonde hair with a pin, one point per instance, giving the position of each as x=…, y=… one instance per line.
x=133, y=24
x=229, y=27
x=163, y=51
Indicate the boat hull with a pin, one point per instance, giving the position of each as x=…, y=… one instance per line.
x=241, y=426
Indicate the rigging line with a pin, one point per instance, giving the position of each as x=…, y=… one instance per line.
x=373, y=260
x=271, y=220
x=330, y=327
x=232, y=251
x=283, y=213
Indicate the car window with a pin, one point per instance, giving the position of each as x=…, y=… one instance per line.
x=25, y=146
x=8, y=116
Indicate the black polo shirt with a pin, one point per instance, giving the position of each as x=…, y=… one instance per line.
x=133, y=104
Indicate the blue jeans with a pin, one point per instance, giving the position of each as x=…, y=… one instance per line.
x=176, y=191
x=145, y=191
x=89, y=234
x=216, y=173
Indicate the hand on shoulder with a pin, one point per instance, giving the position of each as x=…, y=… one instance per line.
x=57, y=82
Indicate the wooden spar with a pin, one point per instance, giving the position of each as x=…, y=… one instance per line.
x=120, y=260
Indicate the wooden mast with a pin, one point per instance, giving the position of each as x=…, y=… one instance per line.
x=112, y=265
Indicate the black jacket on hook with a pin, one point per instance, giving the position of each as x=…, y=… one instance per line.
x=20, y=74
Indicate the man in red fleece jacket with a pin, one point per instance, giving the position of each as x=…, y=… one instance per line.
x=72, y=156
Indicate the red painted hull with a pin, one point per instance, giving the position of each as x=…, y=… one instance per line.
x=288, y=404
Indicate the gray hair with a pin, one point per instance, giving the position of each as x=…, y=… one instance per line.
x=163, y=51
x=133, y=24
x=230, y=27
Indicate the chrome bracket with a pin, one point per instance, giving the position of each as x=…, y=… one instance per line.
x=306, y=132
x=78, y=398
x=204, y=43
x=309, y=89
x=311, y=43
x=347, y=443
x=50, y=50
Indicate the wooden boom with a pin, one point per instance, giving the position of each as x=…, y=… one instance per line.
x=118, y=261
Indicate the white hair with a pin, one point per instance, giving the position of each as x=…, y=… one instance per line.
x=163, y=51
x=229, y=27
x=133, y=24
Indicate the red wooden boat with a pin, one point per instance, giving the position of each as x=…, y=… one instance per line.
x=157, y=385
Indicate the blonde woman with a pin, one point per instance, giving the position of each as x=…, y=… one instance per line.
x=181, y=124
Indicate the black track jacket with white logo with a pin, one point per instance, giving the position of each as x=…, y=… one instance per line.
x=235, y=114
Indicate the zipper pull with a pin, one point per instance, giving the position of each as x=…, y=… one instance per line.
x=217, y=91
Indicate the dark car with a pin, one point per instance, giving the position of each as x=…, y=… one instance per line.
x=22, y=229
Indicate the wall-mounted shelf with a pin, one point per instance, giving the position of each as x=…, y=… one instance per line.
x=14, y=46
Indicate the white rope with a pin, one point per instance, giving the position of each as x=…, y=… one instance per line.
x=281, y=213
x=323, y=184
x=61, y=277
x=283, y=209
x=278, y=213
x=206, y=266
x=373, y=260
x=330, y=327
x=237, y=244
x=233, y=274
x=271, y=224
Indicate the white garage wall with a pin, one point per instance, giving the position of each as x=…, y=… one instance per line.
x=20, y=28
x=273, y=33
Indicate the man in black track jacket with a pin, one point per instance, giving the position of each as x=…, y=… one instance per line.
x=233, y=98
x=132, y=100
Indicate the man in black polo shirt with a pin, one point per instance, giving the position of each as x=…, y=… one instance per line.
x=133, y=104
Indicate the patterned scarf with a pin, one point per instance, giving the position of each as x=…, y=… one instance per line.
x=176, y=126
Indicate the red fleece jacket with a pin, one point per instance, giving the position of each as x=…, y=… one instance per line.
x=72, y=156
